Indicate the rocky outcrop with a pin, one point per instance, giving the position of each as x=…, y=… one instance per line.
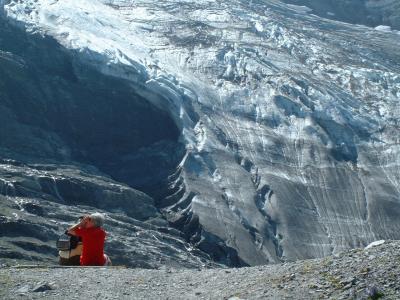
x=38, y=202
x=273, y=133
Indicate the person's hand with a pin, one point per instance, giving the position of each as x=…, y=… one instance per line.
x=81, y=224
x=84, y=220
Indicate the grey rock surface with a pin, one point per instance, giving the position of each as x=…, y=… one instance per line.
x=282, y=128
x=63, y=138
x=37, y=207
x=355, y=274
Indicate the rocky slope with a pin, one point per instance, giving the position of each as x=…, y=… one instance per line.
x=60, y=132
x=41, y=201
x=262, y=133
x=357, y=274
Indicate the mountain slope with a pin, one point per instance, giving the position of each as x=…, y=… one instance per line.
x=289, y=122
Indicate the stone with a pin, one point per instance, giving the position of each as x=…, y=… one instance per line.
x=373, y=293
x=349, y=280
x=42, y=287
x=347, y=286
x=23, y=290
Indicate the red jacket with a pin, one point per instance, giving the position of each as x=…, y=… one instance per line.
x=93, y=246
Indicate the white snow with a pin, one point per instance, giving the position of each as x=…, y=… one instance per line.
x=374, y=244
x=383, y=28
x=300, y=8
x=259, y=27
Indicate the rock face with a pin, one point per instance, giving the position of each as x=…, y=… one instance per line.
x=262, y=133
x=63, y=135
x=38, y=202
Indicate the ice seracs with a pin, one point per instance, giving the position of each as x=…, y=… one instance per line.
x=290, y=121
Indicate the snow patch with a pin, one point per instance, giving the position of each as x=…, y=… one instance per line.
x=211, y=16
x=300, y=8
x=259, y=27
x=383, y=28
x=374, y=244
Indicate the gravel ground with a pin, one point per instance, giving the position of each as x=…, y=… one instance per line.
x=357, y=274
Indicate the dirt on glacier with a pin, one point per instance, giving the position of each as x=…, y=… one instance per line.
x=356, y=274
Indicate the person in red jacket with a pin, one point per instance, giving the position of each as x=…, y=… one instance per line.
x=93, y=238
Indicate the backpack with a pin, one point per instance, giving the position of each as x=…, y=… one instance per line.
x=67, y=242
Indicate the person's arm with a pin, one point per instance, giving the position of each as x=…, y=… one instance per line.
x=81, y=224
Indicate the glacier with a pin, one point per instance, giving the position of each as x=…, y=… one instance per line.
x=289, y=122
x=367, y=12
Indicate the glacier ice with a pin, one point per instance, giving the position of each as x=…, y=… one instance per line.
x=290, y=121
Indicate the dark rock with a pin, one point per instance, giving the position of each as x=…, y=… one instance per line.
x=42, y=287
x=374, y=293
x=349, y=280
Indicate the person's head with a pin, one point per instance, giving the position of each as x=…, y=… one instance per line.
x=95, y=220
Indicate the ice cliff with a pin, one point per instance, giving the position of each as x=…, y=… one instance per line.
x=287, y=141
